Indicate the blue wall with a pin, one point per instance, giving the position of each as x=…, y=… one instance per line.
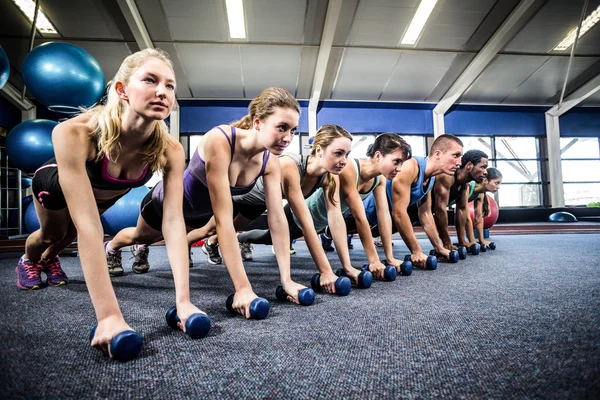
x=404, y=118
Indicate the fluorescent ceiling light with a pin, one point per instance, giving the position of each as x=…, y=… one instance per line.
x=235, y=16
x=587, y=23
x=42, y=24
x=418, y=21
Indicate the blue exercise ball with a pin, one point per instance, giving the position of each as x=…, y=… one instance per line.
x=29, y=144
x=125, y=212
x=26, y=182
x=562, y=216
x=31, y=221
x=63, y=77
x=4, y=68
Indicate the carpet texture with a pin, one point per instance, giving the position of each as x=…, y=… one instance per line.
x=519, y=322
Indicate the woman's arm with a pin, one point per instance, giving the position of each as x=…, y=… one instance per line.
x=337, y=226
x=217, y=156
x=384, y=222
x=174, y=231
x=349, y=192
x=290, y=182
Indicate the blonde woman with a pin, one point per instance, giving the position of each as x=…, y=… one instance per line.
x=100, y=155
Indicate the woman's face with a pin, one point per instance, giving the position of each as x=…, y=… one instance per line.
x=493, y=185
x=335, y=156
x=151, y=89
x=390, y=164
x=278, y=129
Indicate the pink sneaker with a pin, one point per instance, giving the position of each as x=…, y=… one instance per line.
x=28, y=274
x=56, y=276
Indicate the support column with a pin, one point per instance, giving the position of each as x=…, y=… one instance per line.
x=438, y=124
x=557, y=195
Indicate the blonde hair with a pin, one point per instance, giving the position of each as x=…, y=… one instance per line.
x=324, y=137
x=107, y=118
x=264, y=105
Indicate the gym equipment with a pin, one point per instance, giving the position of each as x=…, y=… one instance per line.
x=259, y=308
x=430, y=264
x=562, y=216
x=492, y=218
x=30, y=218
x=389, y=274
x=453, y=258
x=4, y=68
x=343, y=286
x=29, y=144
x=197, y=325
x=125, y=346
x=306, y=296
x=63, y=77
x=365, y=278
x=125, y=212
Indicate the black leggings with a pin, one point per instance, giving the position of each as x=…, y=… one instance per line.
x=261, y=233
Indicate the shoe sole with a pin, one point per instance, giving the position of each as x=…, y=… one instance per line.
x=120, y=273
x=140, y=271
x=61, y=283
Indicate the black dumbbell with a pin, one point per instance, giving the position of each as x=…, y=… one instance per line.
x=365, y=278
x=196, y=326
x=389, y=274
x=453, y=257
x=430, y=264
x=343, y=286
x=306, y=296
x=259, y=308
x=125, y=346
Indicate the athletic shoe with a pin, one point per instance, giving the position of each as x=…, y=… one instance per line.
x=190, y=255
x=378, y=241
x=246, y=250
x=54, y=273
x=28, y=274
x=326, y=243
x=140, y=262
x=113, y=259
x=350, y=245
x=212, y=253
x=292, y=250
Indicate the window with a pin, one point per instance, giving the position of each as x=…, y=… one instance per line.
x=580, y=161
x=477, y=143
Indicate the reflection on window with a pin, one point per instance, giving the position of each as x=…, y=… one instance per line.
x=477, y=143
x=577, y=194
x=360, y=144
x=417, y=144
x=519, y=195
x=516, y=147
x=518, y=171
x=579, y=148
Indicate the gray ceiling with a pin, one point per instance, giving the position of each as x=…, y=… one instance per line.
x=366, y=61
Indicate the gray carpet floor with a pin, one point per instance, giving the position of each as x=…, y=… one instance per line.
x=520, y=322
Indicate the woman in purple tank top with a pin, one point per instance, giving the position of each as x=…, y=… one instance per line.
x=126, y=140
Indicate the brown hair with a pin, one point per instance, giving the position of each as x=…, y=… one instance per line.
x=387, y=143
x=264, y=105
x=442, y=142
x=324, y=137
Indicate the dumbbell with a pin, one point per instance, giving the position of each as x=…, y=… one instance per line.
x=196, y=326
x=125, y=346
x=343, y=286
x=482, y=247
x=474, y=249
x=462, y=251
x=389, y=274
x=492, y=246
x=306, y=296
x=259, y=308
x=406, y=267
x=430, y=264
x=453, y=257
x=365, y=278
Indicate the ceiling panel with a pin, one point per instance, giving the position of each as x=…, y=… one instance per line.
x=547, y=80
x=269, y=66
x=81, y=19
x=203, y=20
x=363, y=73
x=212, y=71
x=275, y=21
x=154, y=20
x=380, y=22
x=453, y=22
x=593, y=100
x=306, y=75
x=13, y=21
x=416, y=75
x=503, y=76
x=551, y=24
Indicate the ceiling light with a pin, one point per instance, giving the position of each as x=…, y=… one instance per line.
x=235, y=16
x=418, y=22
x=42, y=24
x=587, y=23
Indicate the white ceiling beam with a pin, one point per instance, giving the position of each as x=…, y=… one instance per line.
x=511, y=26
x=575, y=98
x=10, y=93
x=331, y=19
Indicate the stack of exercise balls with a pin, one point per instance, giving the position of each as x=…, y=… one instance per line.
x=64, y=78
